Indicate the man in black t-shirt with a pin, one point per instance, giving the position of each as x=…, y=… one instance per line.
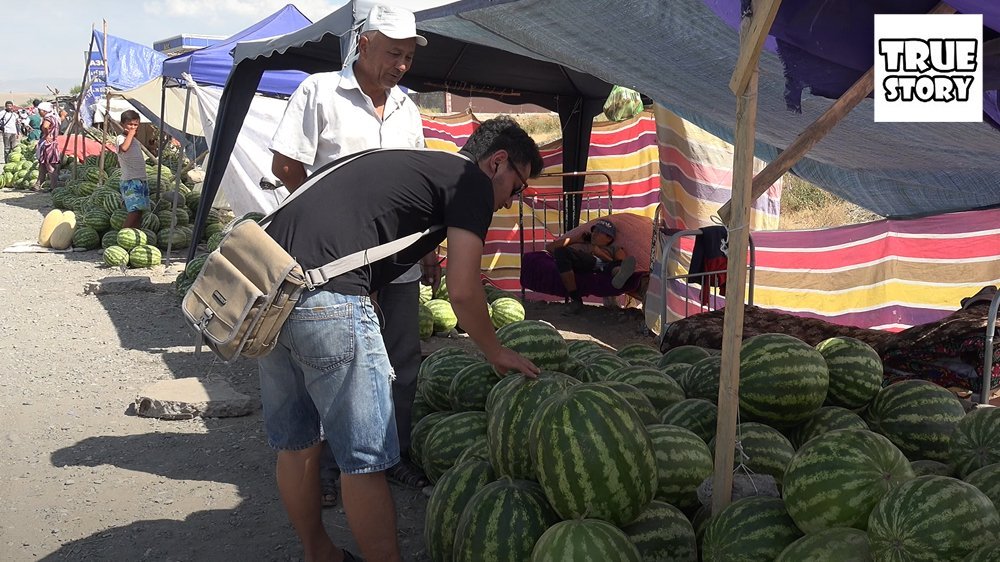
x=329, y=366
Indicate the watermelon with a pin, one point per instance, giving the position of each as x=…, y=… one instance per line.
x=767, y=450
x=700, y=521
x=987, y=481
x=783, y=380
x=926, y=467
x=701, y=380
x=675, y=370
x=836, y=544
x=836, y=479
x=506, y=310
x=216, y=239
x=640, y=353
x=976, y=441
x=436, y=372
x=426, y=293
x=477, y=450
x=470, y=387
x=584, y=539
x=116, y=256
x=444, y=316
x=502, y=522
x=129, y=238
x=855, y=371
x=918, y=416
x=931, y=518
x=538, y=341
x=827, y=418
x=596, y=432
x=442, y=290
x=98, y=220
x=584, y=348
x=510, y=410
x=647, y=413
x=418, y=409
x=150, y=237
x=150, y=221
x=662, y=533
x=694, y=414
x=144, y=256
x=448, y=439
x=111, y=201
x=989, y=552
x=420, y=432
x=661, y=390
x=683, y=461
x=86, y=237
x=683, y=354
x=193, y=267
x=601, y=366
x=110, y=238
x=117, y=219
x=749, y=530
x=451, y=494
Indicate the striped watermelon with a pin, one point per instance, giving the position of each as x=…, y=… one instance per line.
x=470, y=387
x=661, y=390
x=583, y=349
x=451, y=494
x=98, y=219
x=749, y=530
x=595, y=431
x=502, y=522
x=216, y=239
x=683, y=461
x=193, y=267
x=418, y=409
x=635, y=398
x=116, y=256
x=918, y=416
x=675, y=370
x=783, y=380
x=426, y=293
x=989, y=552
x=927, y=467
x=662, y=533
x=144, y=256
x=448, y=439
x=584, y=539
x=86, y=237
x=117, y=218
x=129, y=238
x=477, y=450
x=150, y=221
x=837, y=544
x=683, y=354
x=506, y=310
x=987, y=481
x=538, y=341
x=766, y=449
x=150, y=237
x=855, y=371
x=701, y=380
x=574, y=367
x=827, y=418
x=444, y=316
x=511, y=408
x=601, y=366
x=436, y=372
x=932, y=518
x=693, y=414
x=442, y=290
x=976, y=441
x=421, y=430
x=111, y=201
x=837, y=478
x=426, y=320
x=700, y=521
x=640, y=353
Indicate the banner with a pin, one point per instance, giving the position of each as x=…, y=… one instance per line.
x=96, y=86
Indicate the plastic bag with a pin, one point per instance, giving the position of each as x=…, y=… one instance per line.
x=622, y=104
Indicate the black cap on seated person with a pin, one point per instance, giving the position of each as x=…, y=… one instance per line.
x=605, y=226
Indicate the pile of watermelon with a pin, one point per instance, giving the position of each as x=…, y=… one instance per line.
x=21, y=169
x=438, y=318
x=602, y=456
x=191, y=270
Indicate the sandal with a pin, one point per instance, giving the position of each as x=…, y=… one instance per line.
x=330, y=495
x=407, y=474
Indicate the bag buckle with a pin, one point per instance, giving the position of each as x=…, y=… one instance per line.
x=313, y=278
x=201, y=326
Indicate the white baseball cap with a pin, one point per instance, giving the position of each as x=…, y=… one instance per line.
x=394, y=23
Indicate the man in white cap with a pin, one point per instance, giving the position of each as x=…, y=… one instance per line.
x=334, y=114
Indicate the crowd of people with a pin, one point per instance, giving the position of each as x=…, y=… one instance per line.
x=39, y=121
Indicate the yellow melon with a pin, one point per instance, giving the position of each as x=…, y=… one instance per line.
x=49, y=224
x=62, y=236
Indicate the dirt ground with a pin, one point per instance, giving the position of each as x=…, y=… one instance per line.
x=83, y=478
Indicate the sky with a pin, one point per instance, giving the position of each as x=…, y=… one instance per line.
x=31, y=63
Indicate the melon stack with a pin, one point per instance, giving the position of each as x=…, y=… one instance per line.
x=601, y=457
x=438, y=318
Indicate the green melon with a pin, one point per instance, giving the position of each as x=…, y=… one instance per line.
x=662, y=533
x=442, y=290
x=97, y=219
x=448, y=439
x=426, y=322
x=675, y=370
x=193, y=267
x=661, y=390
x=640, y=353
x=783, y=380
x=111, y=201
x=927, y=467
x=418, y=409
x=537, y=341
x=827, y=418
x=595, y=431
x=150, y=221
x=419, y=433
x=976, y=441
x=987, y=481
x=86, y=237
x=932, y=518
x=584, y=539
x=647, y=413
x=601, y=366
x=426, y=293
x=129, y=238
x=683, y=461
x=581, y=349
x=451, y=494
x=216, y=239
x=767, y=450
x=918, y=416
x=751, y=529
x=694, y=414
x=855, y=371
x=506, y=310
x=150, y=237
x=470, y=387
x=502, y=522
x=837, y=544
x=110, y=238
x=989, y=552
x=144, y=256
x=117, y=219
x=683, y=354
x=436, y=372
x=116, y=256
x=702, y=379
x=444, y=316
x=836, y=479
x=477, y=450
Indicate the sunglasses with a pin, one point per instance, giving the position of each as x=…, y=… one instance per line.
x=524, y=182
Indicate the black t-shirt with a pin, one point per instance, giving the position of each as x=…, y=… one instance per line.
x=379, y=197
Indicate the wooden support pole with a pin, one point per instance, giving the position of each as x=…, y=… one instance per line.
x=736, y=276
x=751, y=42
x=817, y=130
x=76, y=128
x=107, y=108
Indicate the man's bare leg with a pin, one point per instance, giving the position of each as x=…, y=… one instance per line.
x=371, y=515
x=298, y=483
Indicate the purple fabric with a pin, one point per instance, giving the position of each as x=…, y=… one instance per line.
x=539, y=273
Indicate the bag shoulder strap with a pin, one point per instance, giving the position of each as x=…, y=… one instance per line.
x=318, y=276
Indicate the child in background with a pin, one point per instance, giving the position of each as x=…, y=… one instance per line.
x=134, y=186
x=589, y=252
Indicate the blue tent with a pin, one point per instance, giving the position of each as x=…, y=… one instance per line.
x=211, y=65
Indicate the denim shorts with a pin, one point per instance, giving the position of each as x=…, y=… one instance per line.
x=136, y=194
x=330, y=369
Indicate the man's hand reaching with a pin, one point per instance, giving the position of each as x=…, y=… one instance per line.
x=507, y=359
